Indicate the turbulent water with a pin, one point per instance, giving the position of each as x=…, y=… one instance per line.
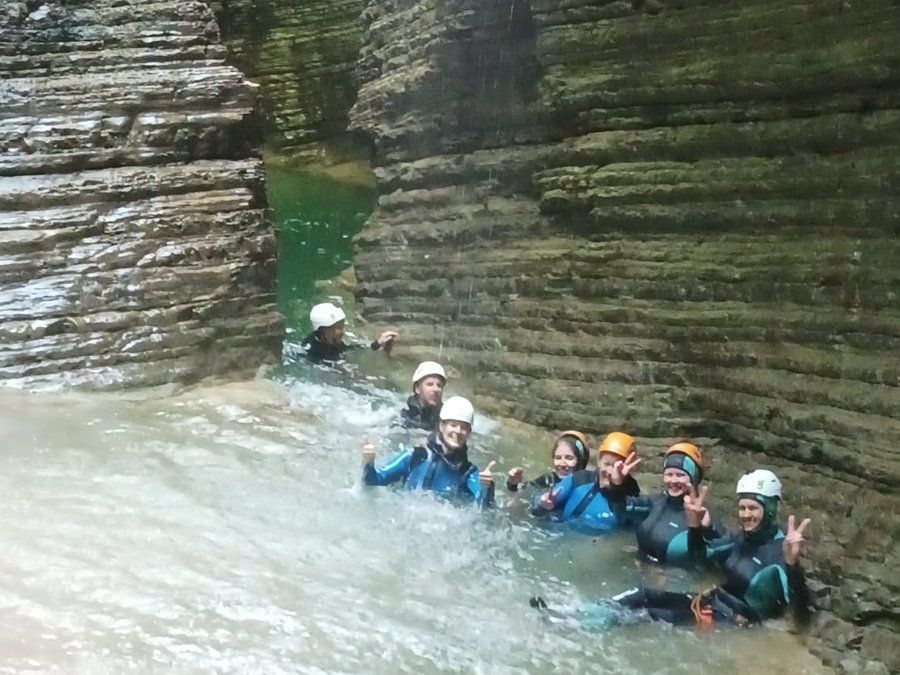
x=225, y=529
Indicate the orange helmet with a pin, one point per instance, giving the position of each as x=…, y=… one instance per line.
x=688, y=449
x=618, y=444
x=581, y=446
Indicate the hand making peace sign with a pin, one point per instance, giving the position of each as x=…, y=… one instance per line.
x=694, y=506
x=792, y=546
x=623, y=468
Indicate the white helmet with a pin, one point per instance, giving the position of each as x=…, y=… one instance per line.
x=325, y=314
x=458, y=408
x=760, y=482
x=427, y=368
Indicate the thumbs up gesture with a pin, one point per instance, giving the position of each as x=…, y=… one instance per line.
x=486, y=477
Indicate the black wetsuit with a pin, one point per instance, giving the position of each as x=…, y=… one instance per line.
x=759, y=585
x=318, y=351
x=417, y=416
x=662, y=529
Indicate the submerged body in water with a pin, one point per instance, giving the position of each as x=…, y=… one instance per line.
x=226, y=530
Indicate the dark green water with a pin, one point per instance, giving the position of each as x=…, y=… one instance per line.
x=316, y=217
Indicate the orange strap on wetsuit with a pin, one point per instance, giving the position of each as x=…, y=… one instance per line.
x=703, y=614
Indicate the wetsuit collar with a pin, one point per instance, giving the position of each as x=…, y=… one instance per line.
x=428, y=415
x=675, y=502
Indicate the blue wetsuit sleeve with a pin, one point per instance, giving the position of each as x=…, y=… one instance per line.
x=396, y=468
x=561, y=492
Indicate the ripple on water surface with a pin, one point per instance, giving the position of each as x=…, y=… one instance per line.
x=225, y=530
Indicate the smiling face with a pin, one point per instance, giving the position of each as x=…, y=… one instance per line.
x=750, y=514
x=605, y=463
x=332, y=335
x=430, y=390
x=676, y=482
x=455, y=434
x=564, y=459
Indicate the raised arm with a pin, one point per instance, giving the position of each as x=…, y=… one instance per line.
x=797, y=590
x=396, y=468
x=634, y=509
x=699, y=548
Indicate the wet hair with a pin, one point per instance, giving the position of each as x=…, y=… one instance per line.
x=577, y=448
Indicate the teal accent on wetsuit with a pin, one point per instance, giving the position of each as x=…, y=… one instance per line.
x=661, y=526
x=429, y=467
x=758, y=585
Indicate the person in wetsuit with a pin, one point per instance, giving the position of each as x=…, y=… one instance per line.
x=442, y=464
x=763, y=576
x=570, y=454
x=660, y=520
x=326, y=342
x=423, y=407
x=580, y=498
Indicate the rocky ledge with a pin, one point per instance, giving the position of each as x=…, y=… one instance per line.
x=135, y=245
x=673, y=217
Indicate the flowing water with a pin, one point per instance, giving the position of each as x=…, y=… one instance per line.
x=224, y=529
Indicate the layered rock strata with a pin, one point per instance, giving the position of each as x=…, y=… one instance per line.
x=677, y=218
x=135, y=245
x=303, y=55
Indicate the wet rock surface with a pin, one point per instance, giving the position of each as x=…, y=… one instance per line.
x=135, y=245
x=303, y=55
x=674, y=218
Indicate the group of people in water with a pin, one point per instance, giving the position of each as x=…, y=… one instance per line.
x=673, y=527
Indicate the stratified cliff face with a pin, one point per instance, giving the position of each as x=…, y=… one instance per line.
x=676, y=218
x=303, y=55
x=135, y=246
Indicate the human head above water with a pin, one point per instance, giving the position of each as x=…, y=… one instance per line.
x=457, y=416
x=570, y=453
x=328, y=322
x=614, y=447
x=759, y=493
x=428, y=383
x=684, y=459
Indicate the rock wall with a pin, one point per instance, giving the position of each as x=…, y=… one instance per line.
x=303, y=55
x=677, y=218
x=135, y=246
